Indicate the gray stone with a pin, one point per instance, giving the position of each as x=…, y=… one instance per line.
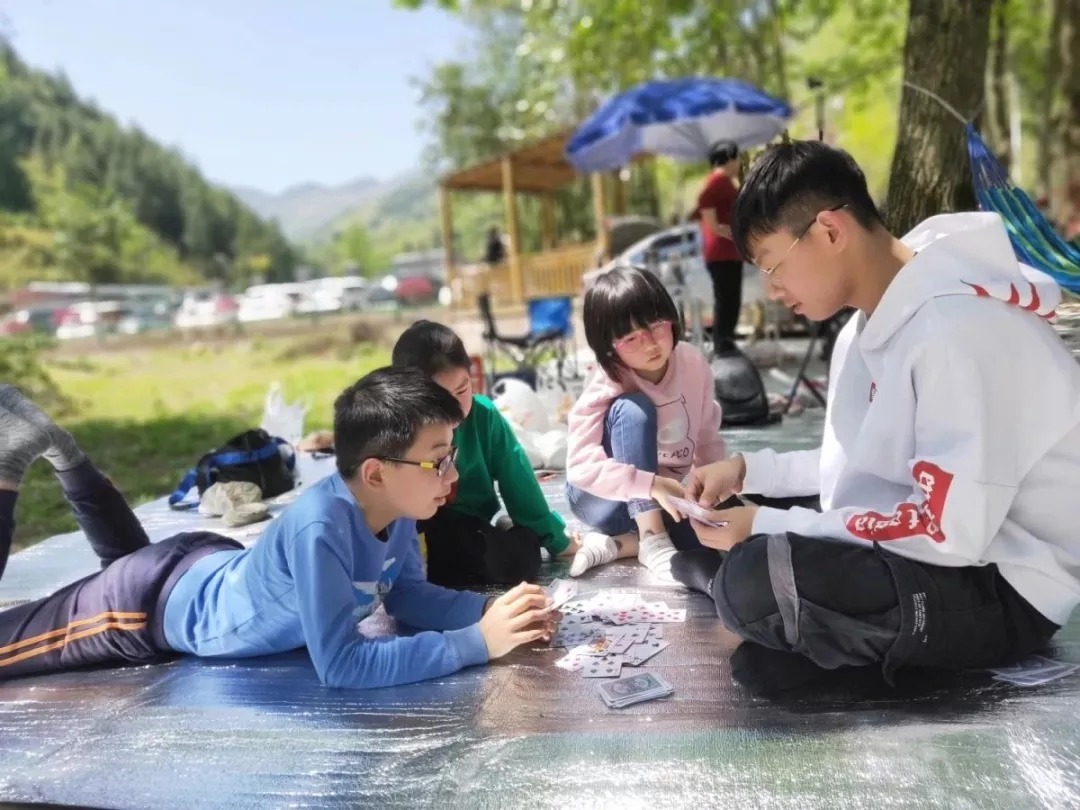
x=220, y=498
x=245, y=513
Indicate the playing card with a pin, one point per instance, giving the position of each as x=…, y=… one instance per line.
x=575, y=619
x=572, y=661
x=656, y=632
x=697, y=512
x=618, y=642
x=670, y=615
x=638, y=654
x=598, y=646
x=638, y=614
x=561, y=591
x=637, y=633
x=1034, y=671
x=634, y=689
x=572, y=637
x=602, y=668
x=613, y=601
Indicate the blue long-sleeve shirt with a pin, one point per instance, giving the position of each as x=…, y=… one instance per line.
x=315, y=573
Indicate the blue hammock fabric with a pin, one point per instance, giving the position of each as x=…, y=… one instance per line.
x=1035, y=241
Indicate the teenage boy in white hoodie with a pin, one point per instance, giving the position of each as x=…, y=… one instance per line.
x=950, y=464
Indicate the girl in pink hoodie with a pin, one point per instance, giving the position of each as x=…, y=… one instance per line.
x=647, y=416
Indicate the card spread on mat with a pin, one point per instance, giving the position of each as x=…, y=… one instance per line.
x=603, y=667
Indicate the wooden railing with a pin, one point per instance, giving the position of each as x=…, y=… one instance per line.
x=550, y=274
x=558, y=272
x=469, y=281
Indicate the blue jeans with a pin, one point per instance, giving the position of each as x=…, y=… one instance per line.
x=630, y=438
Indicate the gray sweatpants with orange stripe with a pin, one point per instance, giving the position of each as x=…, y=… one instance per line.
x=113, y=616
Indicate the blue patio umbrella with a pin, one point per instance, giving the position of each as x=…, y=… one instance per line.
x=679, y=118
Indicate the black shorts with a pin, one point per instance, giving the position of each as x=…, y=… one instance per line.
x=842, y=604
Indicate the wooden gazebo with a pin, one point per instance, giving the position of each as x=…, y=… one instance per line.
x=537, y=169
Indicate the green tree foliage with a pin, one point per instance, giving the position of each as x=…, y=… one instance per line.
x=355, y=250
x=112, y=205
x=569, y=54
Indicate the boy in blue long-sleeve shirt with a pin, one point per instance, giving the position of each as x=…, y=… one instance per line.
x=346, y=545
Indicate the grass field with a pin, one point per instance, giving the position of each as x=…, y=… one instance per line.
x=145, y=416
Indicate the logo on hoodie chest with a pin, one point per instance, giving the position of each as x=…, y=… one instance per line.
x=873, y=390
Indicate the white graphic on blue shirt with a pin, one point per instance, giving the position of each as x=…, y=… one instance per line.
x=369, y=595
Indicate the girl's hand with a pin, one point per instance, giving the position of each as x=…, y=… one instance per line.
x=663, y=489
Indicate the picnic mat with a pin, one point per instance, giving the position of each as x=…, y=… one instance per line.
x=522, y=732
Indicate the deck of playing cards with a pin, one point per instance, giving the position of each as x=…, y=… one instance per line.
x=634, y=689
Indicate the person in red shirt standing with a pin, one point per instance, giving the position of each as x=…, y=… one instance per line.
x=722, y=259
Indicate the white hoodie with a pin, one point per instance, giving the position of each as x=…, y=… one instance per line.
x=952, y=431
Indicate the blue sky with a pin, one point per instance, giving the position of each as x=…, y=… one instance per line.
x=263, y=93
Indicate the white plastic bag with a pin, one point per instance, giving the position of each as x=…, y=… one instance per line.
x=527, y=440
x=284, y=419
x=520, y=404
x=552, y=447
x=557, y=404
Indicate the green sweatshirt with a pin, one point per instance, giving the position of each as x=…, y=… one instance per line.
x=488, y=451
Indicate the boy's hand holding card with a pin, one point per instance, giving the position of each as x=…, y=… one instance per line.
x=698, y=512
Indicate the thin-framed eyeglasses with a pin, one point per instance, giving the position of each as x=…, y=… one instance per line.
x=635, y=341
x=770, y=270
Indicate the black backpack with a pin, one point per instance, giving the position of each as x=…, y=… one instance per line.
x=254, y=456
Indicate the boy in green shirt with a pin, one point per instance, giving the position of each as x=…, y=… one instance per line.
x=463, y=547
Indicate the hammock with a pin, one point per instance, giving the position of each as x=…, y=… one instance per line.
x=1033, y=238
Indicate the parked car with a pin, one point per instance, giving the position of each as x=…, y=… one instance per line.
x=90, y=318
x=674, y=254
x=335, y=294
x=415, y=290
x=268, y=302
x=205, y=309
x=146, y=316
x=34, y=320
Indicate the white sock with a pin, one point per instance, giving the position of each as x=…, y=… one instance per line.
x=596, y=549
x=655, y=552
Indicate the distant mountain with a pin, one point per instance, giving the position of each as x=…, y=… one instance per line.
x=303, y=210
x=401, y=214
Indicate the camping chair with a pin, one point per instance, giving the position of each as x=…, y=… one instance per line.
x=551, y=329
x=1034, y=239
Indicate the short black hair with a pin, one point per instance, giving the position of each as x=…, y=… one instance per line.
x=620, y=301
x=791, y=183
x=722, y=153
x=430, y=347
x=380, y=414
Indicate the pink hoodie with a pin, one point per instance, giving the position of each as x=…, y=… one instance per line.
x=688, y=427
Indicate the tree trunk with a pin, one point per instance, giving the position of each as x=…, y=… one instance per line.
x=1070, y=114
x=945, y=54
x=1047, y=123
x=999, y=85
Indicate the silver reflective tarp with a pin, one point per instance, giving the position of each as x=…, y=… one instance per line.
x=523, y=733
